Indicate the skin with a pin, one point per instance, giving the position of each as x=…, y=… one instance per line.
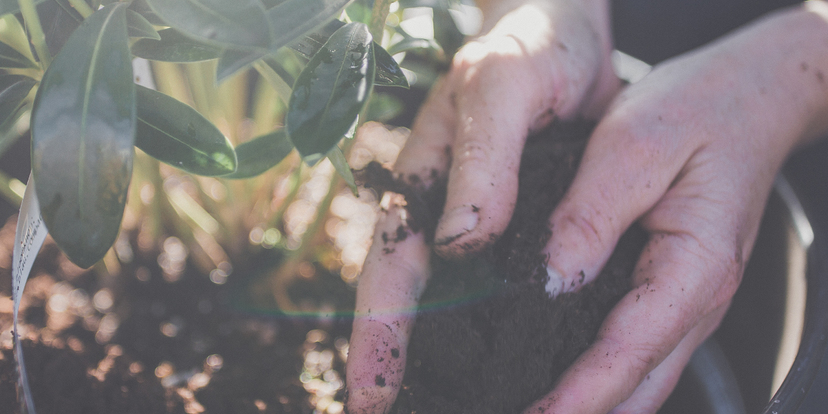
x=690, y=152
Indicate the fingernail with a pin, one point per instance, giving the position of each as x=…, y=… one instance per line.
x=556, y=283
x=456, y=223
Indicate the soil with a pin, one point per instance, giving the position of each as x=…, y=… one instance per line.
x=488, y=339
x=151, y=344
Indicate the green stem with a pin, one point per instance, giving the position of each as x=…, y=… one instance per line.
x=82, y=8
x=27, y=8
x=378, y=16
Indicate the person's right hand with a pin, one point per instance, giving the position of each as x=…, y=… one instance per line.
x=540, y=60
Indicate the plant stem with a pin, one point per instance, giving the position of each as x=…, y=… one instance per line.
x=27, y=8
x=82, y=8
x=378, y=16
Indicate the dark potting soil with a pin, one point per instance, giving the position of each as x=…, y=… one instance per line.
x=488, y=339
x=178, y=347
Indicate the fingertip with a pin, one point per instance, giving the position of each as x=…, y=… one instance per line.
x=464, y=231
x=375, y=367
x=455, y=224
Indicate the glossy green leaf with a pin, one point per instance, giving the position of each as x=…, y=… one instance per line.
x=174, y=47
x=388, y=71
x=294, y=18
x=138, y=26
x=232, y=61
x=177, y=134
x=11, y=58
x=141, y=7
x=13, y=90
x=331, y=91
x=343, y=169
x=83, y=127
x=220, y=22
x=309, y=44
x=59, y=21
x=261, y=154
x=290, y=20
x=11, y=6
x=269, y=4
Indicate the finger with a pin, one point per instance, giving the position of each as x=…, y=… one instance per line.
x=426, y=152
x=653, y=391
x=679, y=284
x=493, y=118
x=394, y=276
x=625, y=170
x=396, y=270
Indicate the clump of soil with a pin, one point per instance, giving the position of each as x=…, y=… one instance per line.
x=498, y=342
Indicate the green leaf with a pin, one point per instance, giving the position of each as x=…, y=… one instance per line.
x=141, y=7
x=220, y=22
x=294, y=18
x=13, y=90
x=138, y=26
x=331, y=91
x=174, y=47
x=388, y=71
x=83, y=127
x=59, y=21
x=232, y=61
x=10, y=6
x=290, y=20
x=261, y=154
x=177, y=134
x=11, y=58
x=309, y=44
x=341, y=165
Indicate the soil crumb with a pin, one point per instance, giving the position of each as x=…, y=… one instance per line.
x=487, y=338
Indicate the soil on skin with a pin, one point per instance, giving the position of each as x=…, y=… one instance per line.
x=488, y=338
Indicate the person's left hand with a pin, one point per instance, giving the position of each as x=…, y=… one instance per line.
x=690, y=152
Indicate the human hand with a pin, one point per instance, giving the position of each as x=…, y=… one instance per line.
x=541, y=59
x=690, y=152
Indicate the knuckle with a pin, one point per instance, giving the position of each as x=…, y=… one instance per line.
x=724, y=266
x=587, y=224
x=472, y=153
